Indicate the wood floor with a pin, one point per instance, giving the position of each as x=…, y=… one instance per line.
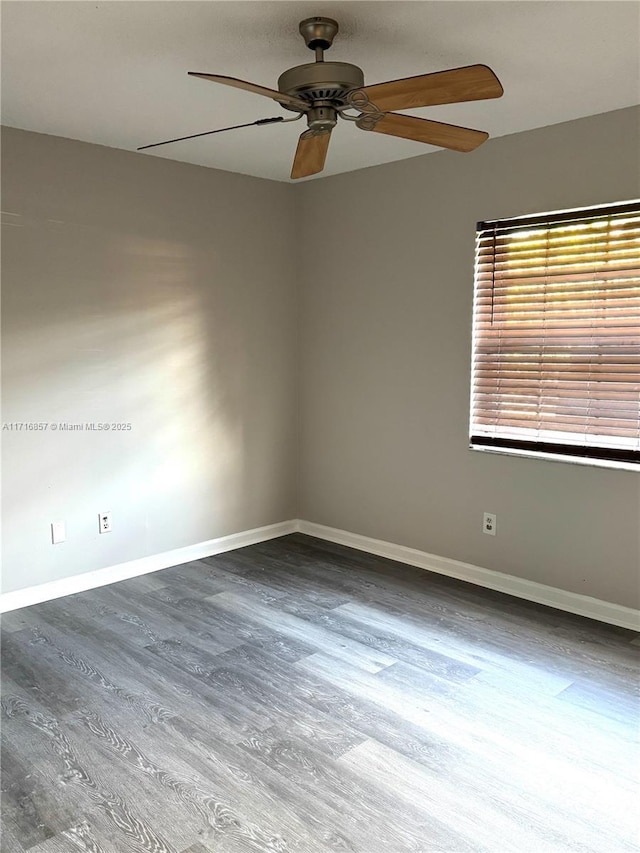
x=303, y=697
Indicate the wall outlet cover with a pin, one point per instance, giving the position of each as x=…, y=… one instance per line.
x=489, y=523
x=104, y=522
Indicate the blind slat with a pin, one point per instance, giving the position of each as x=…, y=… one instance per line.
x=556, y=425
x=566, y=272
x=592, y=248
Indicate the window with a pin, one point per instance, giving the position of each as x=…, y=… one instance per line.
x=556, y=344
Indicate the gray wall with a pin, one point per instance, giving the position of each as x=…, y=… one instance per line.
x=140, y=290
x=164, y=295
x=386, y=352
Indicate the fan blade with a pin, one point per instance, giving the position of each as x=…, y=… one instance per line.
x=430, y=132
x=310, y=154
x=281, y=97
x=471, y=83
x=209, y=132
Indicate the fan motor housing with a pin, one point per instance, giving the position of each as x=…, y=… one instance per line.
x=321, y=81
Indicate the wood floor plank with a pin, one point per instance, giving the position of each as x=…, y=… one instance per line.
x=375, y=817
x=206, y=772
x=477, y=814
x=81, y=837
x=602, y=700
x=357, y=718
x=121, y=670
x=143, y=620
x=10, y=843
x=507, y=752
x=417, y=628
x=199, y=616
x=87, y=781
x=389, y=584
x=485, y=723
x=62, y=672
x=26, y=802
x=340, y=647
x=296, y=696
x=200, y=801
x=249, y=668
x=399, y=648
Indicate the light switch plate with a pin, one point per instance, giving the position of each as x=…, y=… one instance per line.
x=58, y=533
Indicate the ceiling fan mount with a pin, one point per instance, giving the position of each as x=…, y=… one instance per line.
x=318, y=33
x=323, y=91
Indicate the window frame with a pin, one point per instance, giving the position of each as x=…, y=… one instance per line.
x=609, y=457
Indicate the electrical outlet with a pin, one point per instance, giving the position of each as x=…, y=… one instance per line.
x=58, y=533
x=489, y=523
x=104, y=522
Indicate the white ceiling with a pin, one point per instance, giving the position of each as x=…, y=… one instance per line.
x=114, y=72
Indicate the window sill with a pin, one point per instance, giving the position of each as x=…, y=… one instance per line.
x=557, y=457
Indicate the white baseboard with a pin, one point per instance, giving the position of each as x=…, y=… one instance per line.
x=134, y=568
x=583, y=605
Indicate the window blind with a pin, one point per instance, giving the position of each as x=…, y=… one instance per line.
x=556, y=352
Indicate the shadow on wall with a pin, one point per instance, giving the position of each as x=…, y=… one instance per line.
x=105, y=328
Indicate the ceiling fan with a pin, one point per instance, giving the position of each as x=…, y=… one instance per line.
x=325, y=91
